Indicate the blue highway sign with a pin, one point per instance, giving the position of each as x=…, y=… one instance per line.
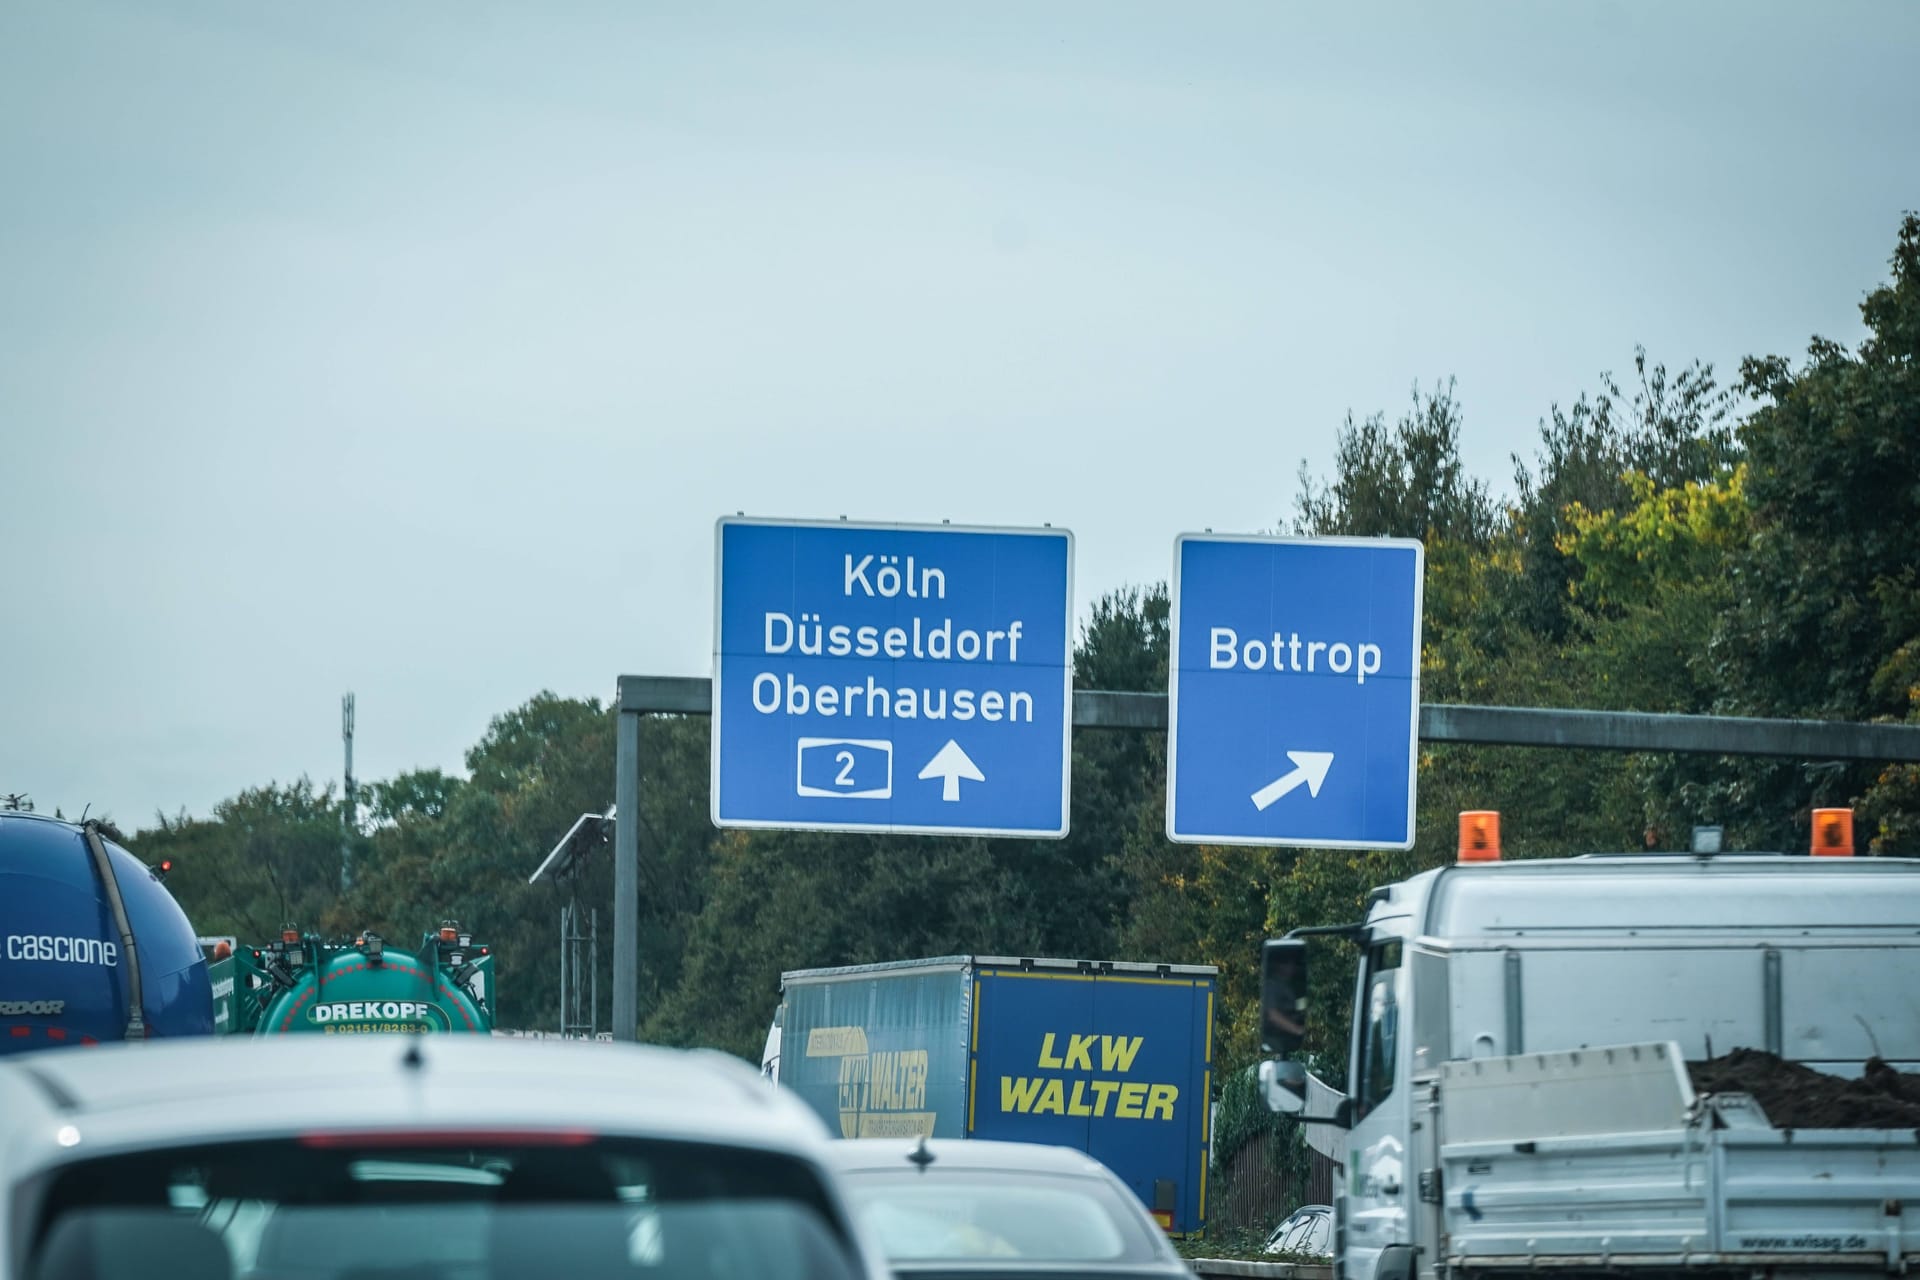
x=903, y=678
x=1295, y=691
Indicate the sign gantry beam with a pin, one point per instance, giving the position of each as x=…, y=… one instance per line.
x=1451, y=722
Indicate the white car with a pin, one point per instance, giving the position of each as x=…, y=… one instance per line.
x=425, y=1157
x=972, y=1209
x=1308, y=1230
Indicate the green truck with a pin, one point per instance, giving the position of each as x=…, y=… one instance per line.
x=303, y=984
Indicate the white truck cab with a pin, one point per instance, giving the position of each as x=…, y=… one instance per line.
x=1519, y=1094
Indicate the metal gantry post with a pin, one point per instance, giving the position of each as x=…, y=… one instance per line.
x=626, y=873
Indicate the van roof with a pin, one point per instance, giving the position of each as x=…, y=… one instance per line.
x=1604, y=894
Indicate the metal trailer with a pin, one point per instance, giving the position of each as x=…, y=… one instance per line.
x=1111, y=1058
x=303, y=984
x=1605, y=1159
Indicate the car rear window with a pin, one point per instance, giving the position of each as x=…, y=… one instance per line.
x=328, y=1208
x=976, y=1215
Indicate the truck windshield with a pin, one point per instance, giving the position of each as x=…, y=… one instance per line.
x=287, y=1210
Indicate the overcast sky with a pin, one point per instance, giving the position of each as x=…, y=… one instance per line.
x=414, y=350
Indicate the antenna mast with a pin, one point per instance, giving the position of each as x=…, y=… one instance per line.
x=350, y=813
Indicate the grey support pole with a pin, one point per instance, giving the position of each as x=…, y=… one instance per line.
x=626, y=873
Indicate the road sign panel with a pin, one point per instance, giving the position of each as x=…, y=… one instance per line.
x=884, y=677
x=1294, y=691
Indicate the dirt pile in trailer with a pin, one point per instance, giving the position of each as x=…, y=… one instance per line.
x=1797, y=1097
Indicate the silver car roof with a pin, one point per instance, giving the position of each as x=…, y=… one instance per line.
x=851, y=1155
x=171, y=1092
x=62, y=1105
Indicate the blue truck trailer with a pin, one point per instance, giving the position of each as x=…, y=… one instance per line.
x=1110, y=1057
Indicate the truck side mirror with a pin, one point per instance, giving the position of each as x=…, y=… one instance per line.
x=1283, y=996
x=1283, y=1086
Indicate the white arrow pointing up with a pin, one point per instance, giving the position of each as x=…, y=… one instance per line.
x=950, y=764
x=1310, y=767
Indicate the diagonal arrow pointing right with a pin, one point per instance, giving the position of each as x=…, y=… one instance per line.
x=1310, y=767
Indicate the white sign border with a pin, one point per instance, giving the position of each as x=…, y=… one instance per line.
x=867, y=828
x=1419, y=550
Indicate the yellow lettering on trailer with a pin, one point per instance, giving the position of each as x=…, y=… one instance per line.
x=1123, y=1100
x=1048, y=1095
x=1080, y=1052
x=1018, y=1092
x=1117, y=1052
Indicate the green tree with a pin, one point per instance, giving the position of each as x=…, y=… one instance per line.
x=795, y=900
x=1651, y=590
x=1827, y=592
x=444, y=848
x=1826, y=609
x=1674, y=430
x=1403, y=481
x=266, y=858
x=420, y=794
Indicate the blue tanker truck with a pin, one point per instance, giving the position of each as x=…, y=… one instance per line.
x=92, y=946
x=1109, y=1057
